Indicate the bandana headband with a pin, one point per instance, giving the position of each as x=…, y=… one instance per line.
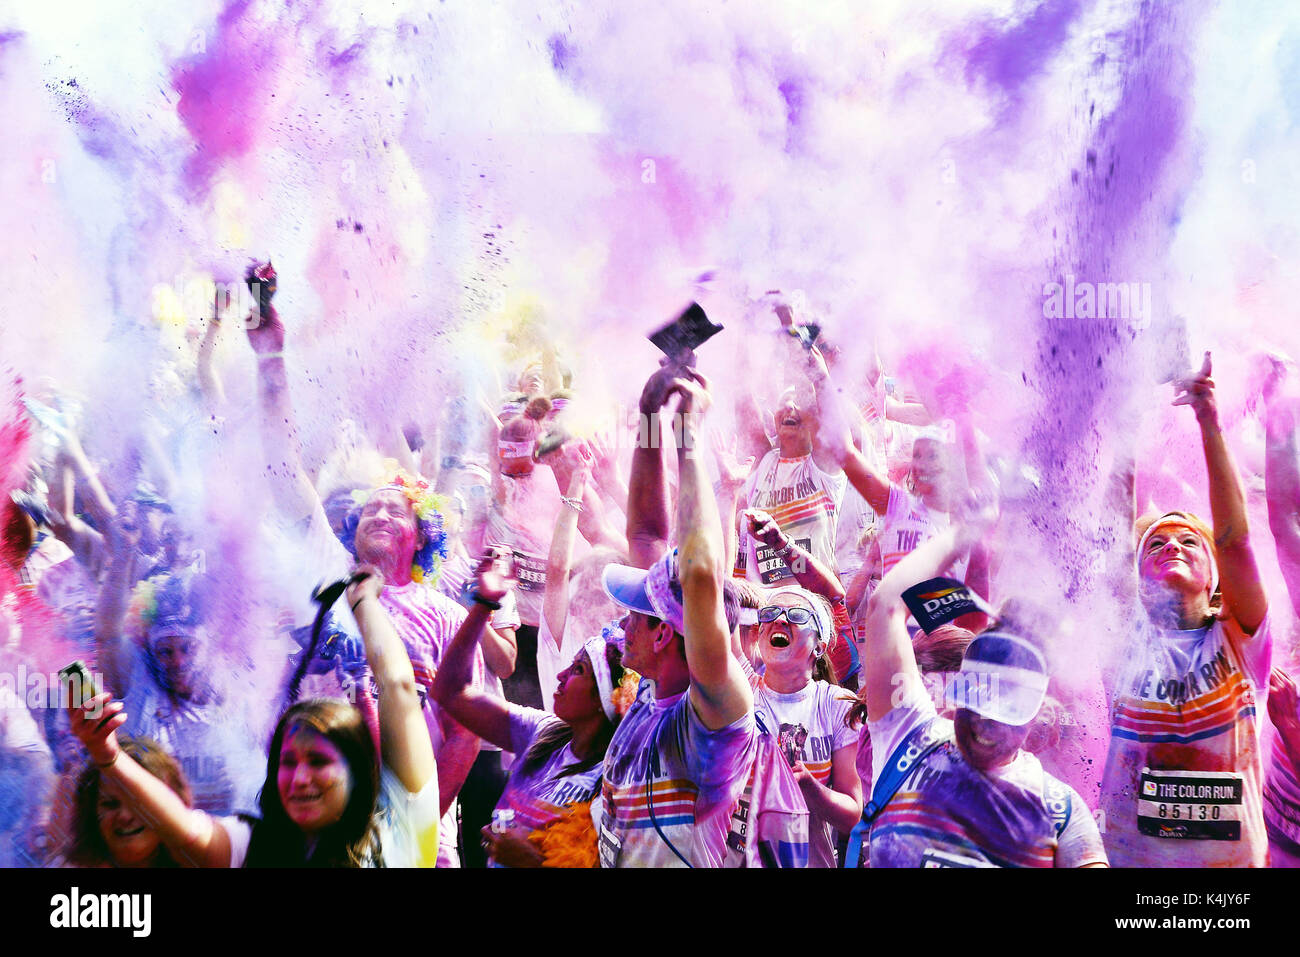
x=595, y=649
x=1180, y=519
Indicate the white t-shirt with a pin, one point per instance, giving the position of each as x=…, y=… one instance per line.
x=1183, y=784
x=803, y=500
x=407, y=825
x=810, y=726
x=525, y=520
x=948, y=814
x=907, y=523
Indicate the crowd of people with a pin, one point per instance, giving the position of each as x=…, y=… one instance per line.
x=796, y=645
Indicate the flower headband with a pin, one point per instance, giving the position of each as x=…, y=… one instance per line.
x=428, y=507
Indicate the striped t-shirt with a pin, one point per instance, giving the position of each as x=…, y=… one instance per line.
x=804, y=501
x=810, y=727
x=1183, y=785
x=694, y=778
x=947, y=813
x=540, y=797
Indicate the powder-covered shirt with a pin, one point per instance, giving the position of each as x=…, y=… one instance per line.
x=907, y=523
x=693, y=784
x=949, y=814
x=1183, y=784
x=540, y=797
x=524, y=519
x=804, y=501
x=1282, y=803
x=810, y=726
x=223, y=760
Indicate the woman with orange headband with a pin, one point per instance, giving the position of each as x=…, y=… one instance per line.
x=1184, y=778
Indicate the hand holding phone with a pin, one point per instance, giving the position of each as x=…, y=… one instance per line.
x=679, y=339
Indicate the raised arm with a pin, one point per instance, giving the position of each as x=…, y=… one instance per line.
x=112, y=647
x=555, y=599
x=807, y=570
x=290, y=486
x=719, y=690
x=605, y=471
x=836, y=420
x=732, y=473
x=888, y=661
x=403, y=733
x=836, y=440
x=486, y=715
x=193, y=837
x=1243, y=593
x=214, y=394
x=1282, y=484
x=647, y=504
x=592, y=523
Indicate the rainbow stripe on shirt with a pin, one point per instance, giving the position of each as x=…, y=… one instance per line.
x=674, y=803
x=1213, y=713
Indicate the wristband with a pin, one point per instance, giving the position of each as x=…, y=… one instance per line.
x=486, y=602
x=573, y=503
x=357, y=602
x=784, y=550
x=105, y=767
x=270, y=355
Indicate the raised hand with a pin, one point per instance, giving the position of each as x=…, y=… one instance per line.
x=491, y=579
x=369, y=583
x=658, y=387
x=763, y=527
x=731, y=470
x=604, y=463
x=95, y=723
x=265, y=329
x=693, y=390
x=1197, y=390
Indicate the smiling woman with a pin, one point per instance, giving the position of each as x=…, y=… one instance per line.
x=327, y=801
x=797, y=691
x=1194, y=678
x=107, y=831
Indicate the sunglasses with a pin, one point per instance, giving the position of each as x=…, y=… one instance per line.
x=796, y=616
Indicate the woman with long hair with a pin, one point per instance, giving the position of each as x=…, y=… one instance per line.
x=327, y=801
x=106, y=831
x=797, y=693
x=1183, y=784
x=557, y=771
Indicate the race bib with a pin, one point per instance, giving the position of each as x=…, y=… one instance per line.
x=530, y=572
x=739, y=829
x=1190, y=805
x=610, y=847
x=771, y=568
